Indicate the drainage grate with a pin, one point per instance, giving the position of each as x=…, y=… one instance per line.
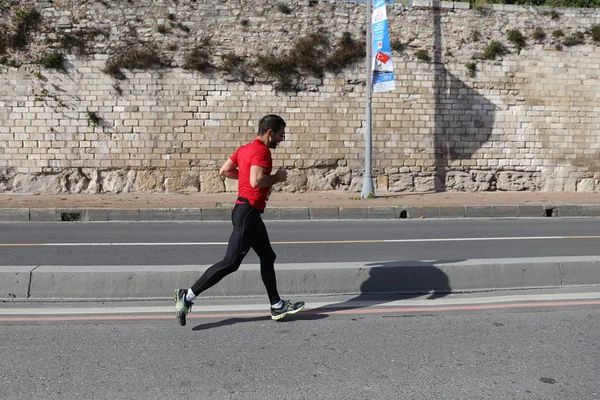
x=403, y=214
x=70, y=216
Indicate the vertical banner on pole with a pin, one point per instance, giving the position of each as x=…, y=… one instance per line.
x=383, y=70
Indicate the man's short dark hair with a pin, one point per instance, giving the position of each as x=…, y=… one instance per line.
x=271, y=121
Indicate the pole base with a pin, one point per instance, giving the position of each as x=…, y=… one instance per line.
x=368, y=190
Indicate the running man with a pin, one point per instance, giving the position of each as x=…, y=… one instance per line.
x=251, y=165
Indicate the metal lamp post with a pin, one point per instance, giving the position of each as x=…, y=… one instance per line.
x=368, y=191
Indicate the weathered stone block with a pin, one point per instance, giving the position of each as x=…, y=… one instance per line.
x=296, y=181
x=211, y=182
x=401, y=183
x=586, y=185
x=425, y=183
x=149, y=181
x=516, y=181
x=382, y=182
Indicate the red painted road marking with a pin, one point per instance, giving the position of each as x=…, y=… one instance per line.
x=368, y=310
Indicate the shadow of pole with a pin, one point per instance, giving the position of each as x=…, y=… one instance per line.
x=391, y=281
x=441, y=135
x=387, y=281
x=464, y=121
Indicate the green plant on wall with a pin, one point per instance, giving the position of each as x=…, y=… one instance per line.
x=475, y=36
x=92, y=118
x=494, y=49
x=230, y=61
x=539, y=35
x=574, y=39
x=478, y=4
x=595, y=32
x=308, y=54
x=15, y=36
x=283, y=68
x=25, y=20
x=183, y=27
x=471, y=68
x=305, y=58
x=347, y=52
x=53, y=60
x=73, y=42
x=198, y=59
x=136, y=57
x=423, y=55
x=284, y=9
x=397, y=46
x=4, y=43
x=235, y=66
x=516, y=38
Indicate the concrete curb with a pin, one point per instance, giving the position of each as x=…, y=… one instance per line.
x=299, y=213
x=138, y=282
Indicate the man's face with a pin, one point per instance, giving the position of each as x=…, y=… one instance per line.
x=275, y=138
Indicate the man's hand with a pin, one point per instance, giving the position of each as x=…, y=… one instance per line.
x=281, y=175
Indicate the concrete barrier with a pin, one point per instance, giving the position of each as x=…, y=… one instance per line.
x=386, y=277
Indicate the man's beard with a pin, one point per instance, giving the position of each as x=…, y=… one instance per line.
x=272, y=143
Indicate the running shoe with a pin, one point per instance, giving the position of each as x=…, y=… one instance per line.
x=182, y=306
x=288, y=308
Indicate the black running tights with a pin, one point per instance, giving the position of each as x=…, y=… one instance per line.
x=249, y=231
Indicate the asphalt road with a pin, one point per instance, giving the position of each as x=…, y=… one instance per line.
x=514, y=353
x=203, y=243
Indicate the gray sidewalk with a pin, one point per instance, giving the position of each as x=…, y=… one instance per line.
x=297, y=206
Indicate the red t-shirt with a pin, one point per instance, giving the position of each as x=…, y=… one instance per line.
x=253, y=153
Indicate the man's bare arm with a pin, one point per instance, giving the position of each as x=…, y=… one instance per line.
x=260, y=179
x=229, y=169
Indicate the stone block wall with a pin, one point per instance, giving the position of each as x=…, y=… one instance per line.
x=526, y=120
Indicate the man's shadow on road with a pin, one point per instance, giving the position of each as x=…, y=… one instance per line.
x=388, y=281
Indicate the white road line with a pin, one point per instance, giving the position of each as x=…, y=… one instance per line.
x=425, y=240
x=423, y=302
